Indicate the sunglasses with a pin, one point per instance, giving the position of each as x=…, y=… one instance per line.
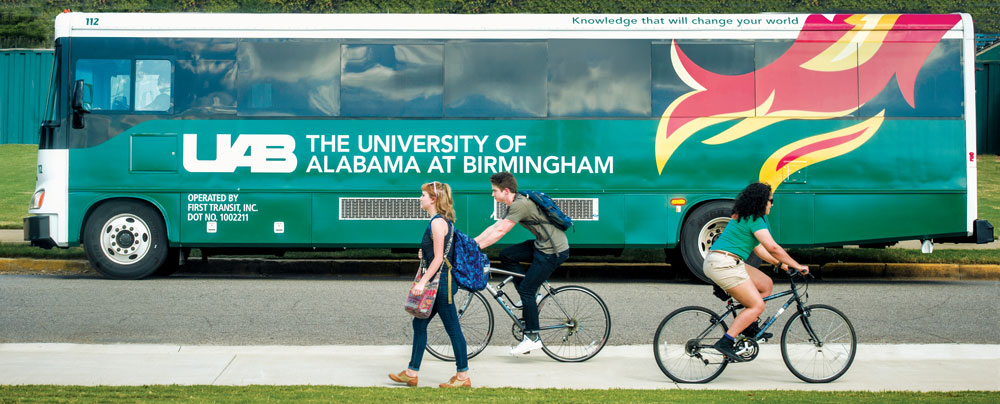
x=771, y=200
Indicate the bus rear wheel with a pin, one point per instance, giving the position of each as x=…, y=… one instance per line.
x=125, y=240
x=700, y=230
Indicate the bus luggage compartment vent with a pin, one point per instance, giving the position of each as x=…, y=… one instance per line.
x=381, y=209
x=576, y=208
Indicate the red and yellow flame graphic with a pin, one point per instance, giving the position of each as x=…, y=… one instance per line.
x=836, y=64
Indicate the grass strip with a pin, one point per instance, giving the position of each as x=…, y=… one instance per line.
x=327, y=394
x=17, y=163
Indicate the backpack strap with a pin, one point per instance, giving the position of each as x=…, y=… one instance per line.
x=447, y=250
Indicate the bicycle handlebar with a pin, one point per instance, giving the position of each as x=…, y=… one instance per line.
x=792, y=272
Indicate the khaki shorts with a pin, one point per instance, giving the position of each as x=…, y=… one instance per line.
x=725, y=271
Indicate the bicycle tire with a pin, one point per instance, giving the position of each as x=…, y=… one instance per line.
x=838, y=344
x=585, y=317
x=476, y=318
x=680, y=354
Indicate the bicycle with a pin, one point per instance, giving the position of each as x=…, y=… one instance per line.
x=573, y=320
x=817, y=344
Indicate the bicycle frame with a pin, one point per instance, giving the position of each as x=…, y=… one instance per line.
x=498, y=294
x=732, y=306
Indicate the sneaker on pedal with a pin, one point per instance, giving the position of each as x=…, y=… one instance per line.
x=753, y=329
x=725, y=346
x=538, y=299
x=528, y=345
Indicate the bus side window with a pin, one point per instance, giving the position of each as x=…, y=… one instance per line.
x=153, y=83
x=107, y=83
x=288, y=77
x=495, y=79
x=733, y=58
x=599, y=78
x=392, y=80
x=938, y=89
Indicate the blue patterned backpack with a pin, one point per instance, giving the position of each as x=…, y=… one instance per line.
x=470, y=264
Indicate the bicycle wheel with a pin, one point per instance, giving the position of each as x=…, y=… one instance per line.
x=825, y=353
x=574, y=323
x=683, y=343
x=476, y=318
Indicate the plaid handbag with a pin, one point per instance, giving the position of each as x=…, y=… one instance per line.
x=420, y=306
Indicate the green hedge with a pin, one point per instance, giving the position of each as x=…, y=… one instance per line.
x=28, y=24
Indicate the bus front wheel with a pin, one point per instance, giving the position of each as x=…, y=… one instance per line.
x=125, y=240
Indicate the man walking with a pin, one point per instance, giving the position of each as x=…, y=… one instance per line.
x=546, y=252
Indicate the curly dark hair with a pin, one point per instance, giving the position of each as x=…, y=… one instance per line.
x=752, y=201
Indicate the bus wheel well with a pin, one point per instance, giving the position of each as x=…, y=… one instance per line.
x=96, y=205
x=125, y=238
x=700, y=228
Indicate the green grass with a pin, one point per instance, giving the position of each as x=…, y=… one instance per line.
x=8, y=250
x=988, y=169
x=328, y=394
x=17, y=163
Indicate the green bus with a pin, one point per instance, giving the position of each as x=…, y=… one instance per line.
x=266, y=132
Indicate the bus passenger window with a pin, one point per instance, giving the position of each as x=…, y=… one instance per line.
x=599, y=78
x=735, y=58
x=392, y=80
x=288, y=77
x=107, y=83
x=152, y=85
x=495, y=79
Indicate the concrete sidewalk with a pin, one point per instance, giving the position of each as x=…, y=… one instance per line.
x=941, y=367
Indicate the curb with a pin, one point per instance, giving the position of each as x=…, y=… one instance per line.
x=574, y=270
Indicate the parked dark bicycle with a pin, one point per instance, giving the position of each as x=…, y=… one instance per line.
x=574, y=321
x=818, y=342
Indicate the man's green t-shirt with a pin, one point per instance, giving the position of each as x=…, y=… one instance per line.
x=549, y=239
x=738, y=237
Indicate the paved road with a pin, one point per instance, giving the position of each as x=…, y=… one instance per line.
x=360, y=311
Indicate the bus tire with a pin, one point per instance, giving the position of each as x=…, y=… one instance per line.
x=701, y=228
x=171, y=264
x=125, y=239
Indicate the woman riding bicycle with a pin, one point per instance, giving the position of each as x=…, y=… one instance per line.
x=747, y=232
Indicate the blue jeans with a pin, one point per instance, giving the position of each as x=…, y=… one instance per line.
x=449, y=316
x=542, y=266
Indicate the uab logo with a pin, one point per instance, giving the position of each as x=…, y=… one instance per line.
x=262, y=153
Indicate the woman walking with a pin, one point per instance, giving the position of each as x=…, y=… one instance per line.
x=747, y=232
x=436, y=199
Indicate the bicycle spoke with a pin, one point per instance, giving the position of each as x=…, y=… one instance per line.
x=823, y=354
x=574, y=323
x=477, y=327
x=684, y=356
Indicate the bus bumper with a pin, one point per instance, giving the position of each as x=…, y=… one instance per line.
x=36, y=231
x=982, y=233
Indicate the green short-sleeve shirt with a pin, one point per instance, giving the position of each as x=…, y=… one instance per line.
x=738, y=237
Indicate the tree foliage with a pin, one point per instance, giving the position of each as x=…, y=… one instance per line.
x=28, y=23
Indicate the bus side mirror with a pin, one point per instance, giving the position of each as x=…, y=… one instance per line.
x=79, y=107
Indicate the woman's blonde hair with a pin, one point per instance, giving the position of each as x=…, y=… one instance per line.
x=443, y=203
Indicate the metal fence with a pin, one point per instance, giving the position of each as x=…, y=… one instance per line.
x=24, y=84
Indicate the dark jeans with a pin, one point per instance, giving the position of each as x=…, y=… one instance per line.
x=449, y=316
x=542, y=266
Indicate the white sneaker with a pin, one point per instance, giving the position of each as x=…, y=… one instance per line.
x=526, y=345
x=538, y=299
